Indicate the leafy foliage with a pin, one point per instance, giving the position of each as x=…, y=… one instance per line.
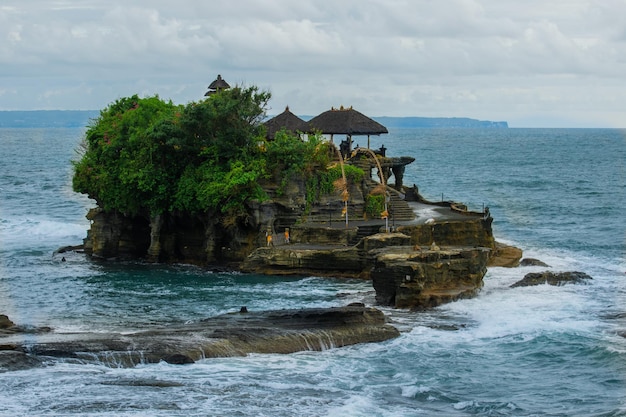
x=288, y=156
x=374, y=205
x=128, y=161
x=148, y=156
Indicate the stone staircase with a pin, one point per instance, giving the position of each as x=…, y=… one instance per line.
x=399, y=210
x=365, y=230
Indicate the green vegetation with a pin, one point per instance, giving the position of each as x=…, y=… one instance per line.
x=374, y=205
x=146, y=156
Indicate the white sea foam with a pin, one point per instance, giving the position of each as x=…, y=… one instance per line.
x=412, y=390
x=30, y=232
x=465, y=404
x=355, y=405
x=501, y=311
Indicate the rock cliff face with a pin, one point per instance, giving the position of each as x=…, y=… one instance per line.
x=213, y=237
x=409, y=278
x=196, y=239
x=505, y=256
x=473, y=231
x=404, y=275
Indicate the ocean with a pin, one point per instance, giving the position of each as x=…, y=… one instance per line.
x=558, y=194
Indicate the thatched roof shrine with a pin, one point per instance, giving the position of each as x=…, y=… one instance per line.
x=288, y=121
x=217, y=85
x=346, y=121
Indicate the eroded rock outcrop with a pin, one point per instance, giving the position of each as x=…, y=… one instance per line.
x=13, y=360
x=533, y=262
x=5, y=322
x=505, y=256
x=552, y=278
x=404, y=275
x=237, y=334
x=416, y=278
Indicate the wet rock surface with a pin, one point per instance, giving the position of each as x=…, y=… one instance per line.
x=533, y=262
x=418, y=278
x=236, y=334
x=13, y=360
x=5, y=322
x=552, y=278
x=505, y=256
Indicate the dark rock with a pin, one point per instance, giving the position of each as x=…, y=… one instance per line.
x=7, y=327
x=283, y=331
x=533, y=262
x=551, y=278
x=144, y=383
x=446, y=327
x=356, y=305
x=5, y=323
x=12, y=360
x=73, y=248
x=178, y=359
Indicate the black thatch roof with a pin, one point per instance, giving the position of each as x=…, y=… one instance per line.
x=286, y=120
x=346, y=121
x=217, y=85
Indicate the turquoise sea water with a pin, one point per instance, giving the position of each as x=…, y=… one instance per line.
x=559, y=194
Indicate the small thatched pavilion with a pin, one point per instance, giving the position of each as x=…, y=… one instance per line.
x=218, y=85
x=346, y=121
x=288, y=121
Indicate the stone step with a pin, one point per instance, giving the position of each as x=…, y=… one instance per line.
x=398, y=208
x=365, y=231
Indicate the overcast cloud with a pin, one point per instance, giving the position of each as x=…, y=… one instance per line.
x=531, y=63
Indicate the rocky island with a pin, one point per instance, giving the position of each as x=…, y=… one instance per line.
x=212, y=183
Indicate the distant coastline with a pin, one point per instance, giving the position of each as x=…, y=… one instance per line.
x=434, y=122
x=80, y=118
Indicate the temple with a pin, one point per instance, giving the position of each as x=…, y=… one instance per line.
x=216, y=86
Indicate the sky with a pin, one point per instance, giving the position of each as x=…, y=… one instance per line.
x=532, y=63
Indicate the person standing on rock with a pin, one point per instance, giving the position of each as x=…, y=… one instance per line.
x=287, y=241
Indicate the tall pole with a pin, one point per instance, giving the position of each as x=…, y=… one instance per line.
x=345, y=195
x=386, y=211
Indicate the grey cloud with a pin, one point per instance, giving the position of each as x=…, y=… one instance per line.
x=405, y=57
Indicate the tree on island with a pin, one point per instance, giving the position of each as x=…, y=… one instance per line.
x=148, y=157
